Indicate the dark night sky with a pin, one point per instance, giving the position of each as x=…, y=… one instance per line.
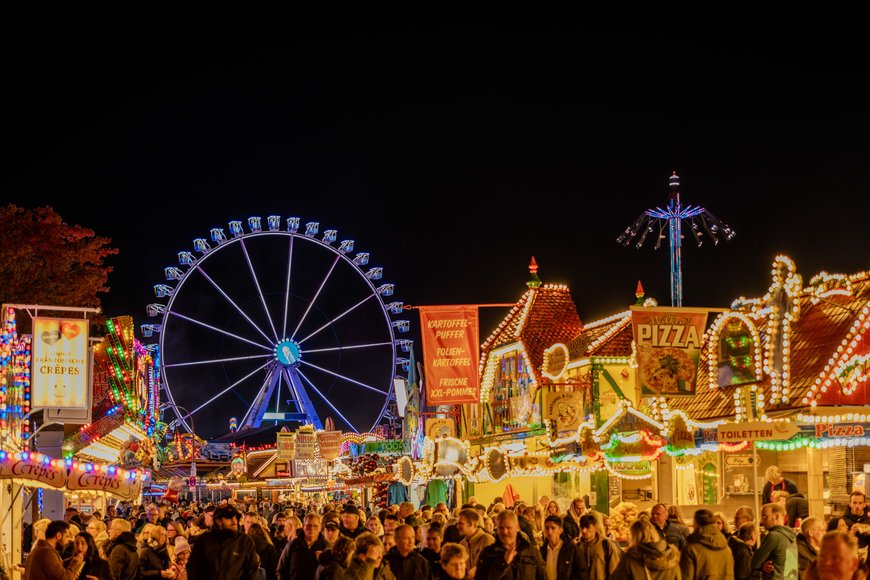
x=452, y=162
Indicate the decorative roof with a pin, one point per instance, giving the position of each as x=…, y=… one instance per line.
x=543, y=316
x=609, y=336
x=828, y=317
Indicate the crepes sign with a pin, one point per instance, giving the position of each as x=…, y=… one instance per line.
x=668, y=342
x=122, y=486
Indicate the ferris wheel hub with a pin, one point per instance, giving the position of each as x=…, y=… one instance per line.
x=288, y=353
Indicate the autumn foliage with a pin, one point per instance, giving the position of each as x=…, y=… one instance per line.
x=45, y=261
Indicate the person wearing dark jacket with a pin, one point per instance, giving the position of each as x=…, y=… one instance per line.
x=776, y=482
x=298, y=561
x=742, y=542
x=706, y=554
x=668, y=529
x=224, y=553
x=559, y=552
x=154, y=555
x=123, y=556
x=649, y=557
x=44, y=563
x=599, y=555
x=94, y=564
x=333, y=562
x=512, y=556
x=809, y=542
x=571, y=521
x=405, y=562
x=265, y=550
x=779, y=546
x=797, y=508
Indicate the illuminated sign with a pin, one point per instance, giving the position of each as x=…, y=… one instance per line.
x=59, y=377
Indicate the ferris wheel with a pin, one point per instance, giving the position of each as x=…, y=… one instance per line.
x=282, y=324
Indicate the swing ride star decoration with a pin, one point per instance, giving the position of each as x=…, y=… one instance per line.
x=699, y=220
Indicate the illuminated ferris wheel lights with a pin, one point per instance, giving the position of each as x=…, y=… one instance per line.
x=405, y=344
x=311, y=229
x=148, y=330
x=329, y=236
x=255, y=224
x=375, y=273
x=395, y=307
x=186, y=258
x=154, y=309
x=236, y=228
x=346, y=246
x=162, y=291
x=201, y=246
x=173, y=273
x=218, y=236
x=274, y=222
x=386, y=289
x=361, y=259
x=404, y=363
x=401, y=325
x=293, y=224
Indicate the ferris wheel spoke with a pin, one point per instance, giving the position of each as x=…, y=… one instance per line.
x=325, y=400
x=259, y=291
x=313, y=300
x=287, y=294
x=217, y=360
x=336, y=348
x=230, y=388
x=210, y=327
x=343, y=314
x=236, y=306
x=344, y=378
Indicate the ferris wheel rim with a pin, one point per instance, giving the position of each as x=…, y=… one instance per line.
x=371, y=292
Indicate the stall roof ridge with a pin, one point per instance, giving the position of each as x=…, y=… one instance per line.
x=542, y=317
x=610, y=336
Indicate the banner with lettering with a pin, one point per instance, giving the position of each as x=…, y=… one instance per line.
x=305, y=441
x=451, y=353
x=34, y=470
x=668, y=348
x=119, y=485
x=286, y=449
x=329, y=443
x=59, y=374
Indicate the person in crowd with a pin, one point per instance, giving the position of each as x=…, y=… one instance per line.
x=743, y=515
x=224, y=552
x=404, y=560
x=432, y=550
x=838, y=559
x=535, y=515
x=560, y=554
x=553, y=508
x=374, y=525
x=174, y=530
x=333, y=561
x=368, y=560
x=526, y=525
x=298, y=561
x=389, y=541
x=669, y=530
x=391, y=522
x=742, y=543
x=721, y=521
x=453, y=563
x=648, y=556
x=775, y=481
x=837, y=524
x=123, y=555
x=857, y=519
x=488, y=526
x=706, y=554
x=291, y=525
x=797, y=508
x=44, y=563
x=474, y=539
x=608, y=527
x=676, y=519
x=780, y=497
x=512, y=555
x=350, y=522
x=809, y=541
x=180, y=556
x=779, y=546
x=331, y=529
x=97, y=529
x=154, y=559
x=68, y=546
x=265, y=550
x=94, y=564
x=406, y=514
x=599, y=556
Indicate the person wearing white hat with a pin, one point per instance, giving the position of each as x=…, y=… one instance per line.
x=180, y=555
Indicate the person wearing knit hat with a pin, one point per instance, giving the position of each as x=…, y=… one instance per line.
x=181, y=553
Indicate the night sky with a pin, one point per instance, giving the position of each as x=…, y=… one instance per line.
x=452, y=163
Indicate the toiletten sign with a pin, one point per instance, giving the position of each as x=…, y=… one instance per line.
x=450, y=351
x=59, y=375
x=668, y=344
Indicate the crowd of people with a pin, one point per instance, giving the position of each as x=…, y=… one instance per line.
x=235, y=540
